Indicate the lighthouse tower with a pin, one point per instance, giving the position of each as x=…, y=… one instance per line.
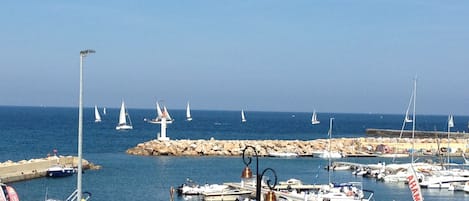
x=163, y=118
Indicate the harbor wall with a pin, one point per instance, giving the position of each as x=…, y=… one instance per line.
x=373, y=132
x=347, y=146
x=35, y=168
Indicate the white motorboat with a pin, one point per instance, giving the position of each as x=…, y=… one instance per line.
x=466, y=187
x=297, y=191
x=60, y=171
x=332, y=154
x=283, y=154
x=226, y=195
x=345, y=192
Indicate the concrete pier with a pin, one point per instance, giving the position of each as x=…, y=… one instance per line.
x=373, y=132
x=35, y=168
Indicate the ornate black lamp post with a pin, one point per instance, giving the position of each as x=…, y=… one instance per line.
x=247, y=174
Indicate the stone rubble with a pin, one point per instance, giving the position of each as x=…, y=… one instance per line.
x=361, y=145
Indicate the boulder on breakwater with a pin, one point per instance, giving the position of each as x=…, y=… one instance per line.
x=346, y=146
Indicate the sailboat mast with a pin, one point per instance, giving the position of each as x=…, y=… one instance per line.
x=329, y=148
x=413, y=119
x=450, y=124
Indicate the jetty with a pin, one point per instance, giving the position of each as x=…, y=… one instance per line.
x=373, y=132
x=353, y=147
x=35, y=168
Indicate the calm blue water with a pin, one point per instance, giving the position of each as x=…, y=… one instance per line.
x=32, y=132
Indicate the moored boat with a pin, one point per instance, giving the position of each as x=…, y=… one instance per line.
x=8, y=193
x=226, y=195
x=60, y=171
x=283, y=154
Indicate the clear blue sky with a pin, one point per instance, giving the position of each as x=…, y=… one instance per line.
x=332, y=56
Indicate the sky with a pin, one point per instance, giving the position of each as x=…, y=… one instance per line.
x=263, y=55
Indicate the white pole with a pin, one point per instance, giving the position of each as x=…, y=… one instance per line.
x=80, y=125
x=413, y=119
x=447, y=149
x=163, y=128
x=329, y=149
x=80, y=130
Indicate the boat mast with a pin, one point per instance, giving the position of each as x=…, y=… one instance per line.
x=450, y=124
x=413, y=118
x=329, y=148
x=406, y=120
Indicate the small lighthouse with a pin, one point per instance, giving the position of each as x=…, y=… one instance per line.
x=163, y=118
x=164, y=121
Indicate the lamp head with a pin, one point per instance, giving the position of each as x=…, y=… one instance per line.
x=86, y=52
x=247, y=173
x=270, y=196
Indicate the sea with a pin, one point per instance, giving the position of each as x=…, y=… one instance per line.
x=33, y=132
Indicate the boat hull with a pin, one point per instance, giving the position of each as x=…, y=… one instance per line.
x=124, y=127
x=62, y=172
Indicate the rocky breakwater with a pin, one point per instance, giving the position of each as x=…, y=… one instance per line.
x=346, y=146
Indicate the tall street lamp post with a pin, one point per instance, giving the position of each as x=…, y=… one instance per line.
x=83, y=53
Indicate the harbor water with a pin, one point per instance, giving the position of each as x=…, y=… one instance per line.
x=33, y=132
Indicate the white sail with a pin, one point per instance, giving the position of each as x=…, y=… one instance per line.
x=407, y=117
x=97, y=117
x=314, y=118
x=104, y=111
x=166, y=113
x=450, y=121
x=123, y=119
x=243, y=118
x=188, y=112
x=160, y=115
x=158, y=110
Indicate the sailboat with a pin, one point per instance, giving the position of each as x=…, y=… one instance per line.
x=188, y=113
x=160, y=114
x=243, y=118
x=328, y=154
x=97, y=117
x=123, y=115
x=314, y=118
x=409, y=172
x=104, y=111
x=407, y=119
